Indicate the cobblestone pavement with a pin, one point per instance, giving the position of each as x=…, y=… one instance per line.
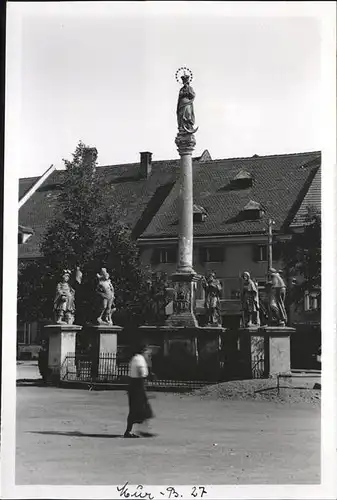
x=68, y=436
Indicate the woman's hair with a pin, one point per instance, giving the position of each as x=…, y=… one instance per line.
x=139, y=348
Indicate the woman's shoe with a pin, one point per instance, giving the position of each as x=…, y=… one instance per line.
x=130, y=435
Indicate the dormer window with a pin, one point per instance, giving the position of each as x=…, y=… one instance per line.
x=253, y=210
x=242, y=180
x=243, y=175
x=199, y=213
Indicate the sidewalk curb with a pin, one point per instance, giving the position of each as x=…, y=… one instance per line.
x=97, y=387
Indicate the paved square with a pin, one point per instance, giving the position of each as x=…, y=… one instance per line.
x=67, y=436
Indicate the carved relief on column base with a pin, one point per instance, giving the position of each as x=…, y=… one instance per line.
x=183, y=300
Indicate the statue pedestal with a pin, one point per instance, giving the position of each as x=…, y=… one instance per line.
x=62, y=341
x=277, y=341
x=104, y=340
x=252, y=350
x=183, y=353
x=183, y=301
x=265, y=352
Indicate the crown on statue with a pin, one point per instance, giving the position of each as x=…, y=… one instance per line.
x=184, y=74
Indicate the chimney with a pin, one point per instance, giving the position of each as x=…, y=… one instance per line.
x=145, y=164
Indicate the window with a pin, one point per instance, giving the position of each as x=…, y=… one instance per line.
x=260, y=253
x=212, y=254
x=242, y=180
x=199, y=213
x=199, y=217
x=311, y=301
x=253, y=210
x=165, y=255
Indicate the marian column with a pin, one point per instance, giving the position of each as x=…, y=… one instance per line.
x=184, y=277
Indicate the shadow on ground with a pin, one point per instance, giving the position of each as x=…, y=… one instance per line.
x=77, y=434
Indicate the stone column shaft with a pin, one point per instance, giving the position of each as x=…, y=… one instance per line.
x=186, y=143
x=185, y=243
x=183, y=278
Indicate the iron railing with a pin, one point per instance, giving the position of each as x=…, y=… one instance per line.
x=258, y=369
x=107, y=369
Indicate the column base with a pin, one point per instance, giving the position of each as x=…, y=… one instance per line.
x=183, y=300
x=185, y=142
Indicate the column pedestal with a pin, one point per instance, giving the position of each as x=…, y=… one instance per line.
x=104, y=340
x=183, y=301
x=62, y=342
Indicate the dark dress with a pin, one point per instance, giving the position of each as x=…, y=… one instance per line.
x=43, y=363
x=139, y=406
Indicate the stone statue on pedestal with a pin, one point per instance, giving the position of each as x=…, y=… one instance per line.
x=64, y=303
x=212, y=287
x=276, y=291
x=106, y=295
x=185, y=109
x=249, y=302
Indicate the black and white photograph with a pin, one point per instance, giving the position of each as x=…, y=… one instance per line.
x=169, y=278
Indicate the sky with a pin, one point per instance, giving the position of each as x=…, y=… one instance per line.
x=104, y=73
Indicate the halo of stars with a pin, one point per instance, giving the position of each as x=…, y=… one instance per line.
x=181, y=71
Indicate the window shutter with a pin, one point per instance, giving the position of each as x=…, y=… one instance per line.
x=276, y=251
x=155, y=256
x=256, y=253
x=172, y=255
x=202, y=255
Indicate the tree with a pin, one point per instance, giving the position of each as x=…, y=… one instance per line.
x=83, y=233
x=302, y=258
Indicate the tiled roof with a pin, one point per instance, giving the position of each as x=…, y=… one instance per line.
x=25, y=184
x=135, y=200
x=311, y=199
x=280, y=183
x=149, y=206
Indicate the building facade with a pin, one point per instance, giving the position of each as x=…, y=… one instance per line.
x=234, y=200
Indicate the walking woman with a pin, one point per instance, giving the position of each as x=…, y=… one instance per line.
x=140, y=410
